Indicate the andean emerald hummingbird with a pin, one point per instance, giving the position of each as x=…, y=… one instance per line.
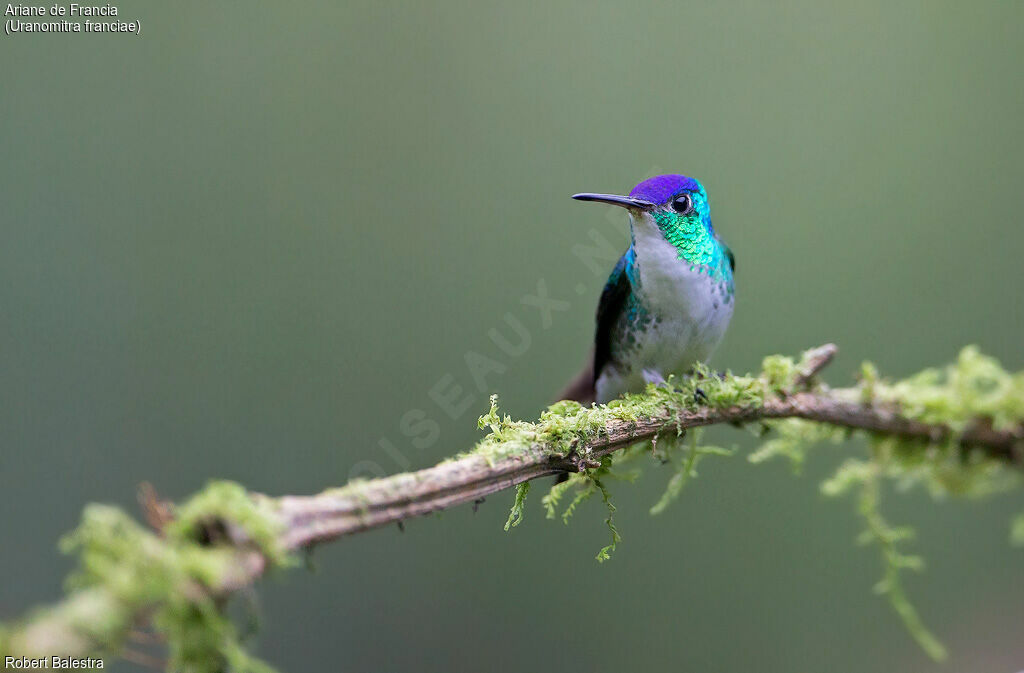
x=669, y=299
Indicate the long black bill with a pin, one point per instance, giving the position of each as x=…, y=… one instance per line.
x=624, y=201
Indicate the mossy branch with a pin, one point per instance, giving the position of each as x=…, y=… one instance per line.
x=961, y=430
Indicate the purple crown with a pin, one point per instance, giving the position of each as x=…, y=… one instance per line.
x=661, y=188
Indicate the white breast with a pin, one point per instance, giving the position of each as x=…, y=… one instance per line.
x=691, y=311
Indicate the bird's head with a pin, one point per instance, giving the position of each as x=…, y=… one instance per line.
x=675, y=206
x=671, y=201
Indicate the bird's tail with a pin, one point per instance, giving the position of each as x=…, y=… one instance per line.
x=581, y=388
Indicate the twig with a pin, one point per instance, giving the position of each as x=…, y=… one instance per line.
x=814, y=361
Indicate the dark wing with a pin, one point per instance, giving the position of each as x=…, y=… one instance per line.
x=613, y=299
x=729, y=255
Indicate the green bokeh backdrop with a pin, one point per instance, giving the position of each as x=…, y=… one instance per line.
x=245, y=243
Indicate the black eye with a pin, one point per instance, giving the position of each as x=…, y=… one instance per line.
x=682, y=204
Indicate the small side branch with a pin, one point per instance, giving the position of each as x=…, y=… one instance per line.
x=813, y=362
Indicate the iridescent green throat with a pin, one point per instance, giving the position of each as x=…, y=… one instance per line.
x=694, y=242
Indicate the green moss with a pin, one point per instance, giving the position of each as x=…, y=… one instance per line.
x=687, y=468
x=605, y=553
x=227, y=504
x=779, y=372
x=567, y=425
x=125, y=569
x=792, y=439
x=554, y=496
x=894, y=561
x=868, y=379
x=975, y=388
x=515, y=516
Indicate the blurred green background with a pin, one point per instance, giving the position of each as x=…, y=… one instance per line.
x=245, y=243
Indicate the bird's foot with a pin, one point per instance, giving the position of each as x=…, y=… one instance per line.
x=654, y=376
x=697, y=375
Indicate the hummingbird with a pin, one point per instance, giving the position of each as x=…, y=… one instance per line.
x=669, y=299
